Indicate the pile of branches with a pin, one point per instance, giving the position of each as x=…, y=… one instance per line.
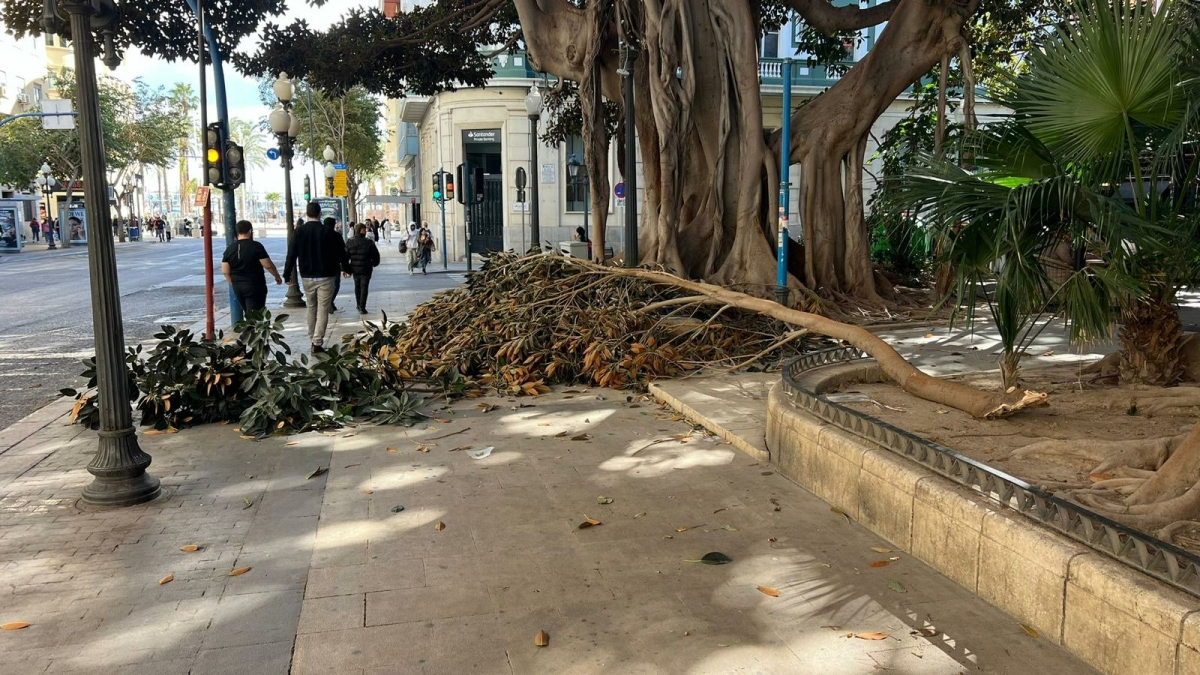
x=522, y=323
x=186, y=379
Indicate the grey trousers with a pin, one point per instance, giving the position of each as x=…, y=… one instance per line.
x=319, y=294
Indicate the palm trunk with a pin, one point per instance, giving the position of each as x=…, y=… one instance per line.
x=1151, y=342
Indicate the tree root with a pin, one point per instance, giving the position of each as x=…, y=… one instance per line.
x=1154, y=400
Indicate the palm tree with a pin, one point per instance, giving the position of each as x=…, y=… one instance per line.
x=183, y=98
x=1092, y=167
x=273, y=199
x=254, y=151
x=1101, y=159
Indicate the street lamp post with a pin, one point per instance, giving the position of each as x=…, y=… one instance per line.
x=579, y=176
x=329, y=155
x=119, y=465
x=533, y=107
x=286, y=126
x=46, y=182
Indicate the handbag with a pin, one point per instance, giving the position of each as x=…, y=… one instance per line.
x=404, y=247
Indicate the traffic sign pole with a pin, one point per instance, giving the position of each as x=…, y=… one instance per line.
x=442, y=204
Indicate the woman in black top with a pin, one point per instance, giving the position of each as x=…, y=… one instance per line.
x=243, y=264
x=364, y=258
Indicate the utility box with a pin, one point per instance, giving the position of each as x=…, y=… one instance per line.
x=574, y=249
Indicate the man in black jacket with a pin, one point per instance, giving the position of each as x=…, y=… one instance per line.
x=364, y=257
x=318, y=255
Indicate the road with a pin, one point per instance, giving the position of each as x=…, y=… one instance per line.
x=46, y=315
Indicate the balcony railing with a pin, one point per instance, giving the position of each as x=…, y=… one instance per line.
x=770, y=72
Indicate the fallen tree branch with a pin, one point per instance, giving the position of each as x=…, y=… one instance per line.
x=975, y=402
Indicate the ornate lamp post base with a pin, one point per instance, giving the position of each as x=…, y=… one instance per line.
x=120, y=471
x=294, y=297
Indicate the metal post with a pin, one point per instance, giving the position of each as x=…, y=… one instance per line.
x=294, y=297
x=442, y=205
x=119, y=465
x=781, y=254
x=209, y=302
x=632, y=259
x=535, y=225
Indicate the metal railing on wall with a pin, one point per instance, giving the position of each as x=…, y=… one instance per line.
x=1162, y=560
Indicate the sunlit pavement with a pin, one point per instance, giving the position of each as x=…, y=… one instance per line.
x=342, y=580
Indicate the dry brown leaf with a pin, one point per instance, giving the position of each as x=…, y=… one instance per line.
x=393, y=450
x=590, y=522
x=541, y=639
x=152, y=432
x=681, y=529
x=879, y=549
x=929, y=336
x=14, y=625
x=767, y=590
x=639, y=515
x=422, y=448
x=1097, y=477
x=840, y=513
x=190, y=548
x=166, y=580
x=871, y=636
x=440, y=526
x=880, y=563
x=460, y=448
x=239, y=571
x=543, y=424
x=368, y=492
x=1029, y=630
x=438, y=419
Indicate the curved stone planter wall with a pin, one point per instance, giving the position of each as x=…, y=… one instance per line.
x=1117, y=619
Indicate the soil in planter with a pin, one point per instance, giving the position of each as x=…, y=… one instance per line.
x=1080, y=411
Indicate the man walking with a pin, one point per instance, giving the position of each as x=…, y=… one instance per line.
x=332, y=224
x=318, y=256
x=243, y=265
x=411, y=247
x=364, y=257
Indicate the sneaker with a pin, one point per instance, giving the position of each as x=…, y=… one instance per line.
x=424, y=271
x=318, y=349
x=410, y=273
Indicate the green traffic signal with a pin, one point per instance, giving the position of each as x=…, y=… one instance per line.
x=437, y=195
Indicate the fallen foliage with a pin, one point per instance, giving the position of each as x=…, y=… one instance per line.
x=521, y=324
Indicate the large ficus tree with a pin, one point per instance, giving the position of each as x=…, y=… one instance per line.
x=711, y=169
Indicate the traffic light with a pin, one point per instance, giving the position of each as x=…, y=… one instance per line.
x=235, y=164
x=437, y=186
x=449, y=186
x=470, y=184
x=214, y=149
x=307, y=190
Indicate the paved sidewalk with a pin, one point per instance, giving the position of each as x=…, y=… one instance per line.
x=341, y=581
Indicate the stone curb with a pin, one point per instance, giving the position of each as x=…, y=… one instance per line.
x=1116, y=619
x=695, y=416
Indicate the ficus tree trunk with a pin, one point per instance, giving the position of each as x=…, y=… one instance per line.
x=710, y=169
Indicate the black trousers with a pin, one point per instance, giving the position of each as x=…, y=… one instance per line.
x=362, y=283
x=252, y=297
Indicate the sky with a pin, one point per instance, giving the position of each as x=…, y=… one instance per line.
x=242, y=92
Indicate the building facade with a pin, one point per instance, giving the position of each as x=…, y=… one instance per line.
x=489, y=126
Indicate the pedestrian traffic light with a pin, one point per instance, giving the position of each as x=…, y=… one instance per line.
x=214, y=149
x=437, y=186
x=449, y=186
x=235, y=165
x=307, y=190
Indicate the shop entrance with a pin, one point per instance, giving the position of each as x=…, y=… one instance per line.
x=482, y=148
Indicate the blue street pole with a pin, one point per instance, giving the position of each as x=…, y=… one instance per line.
x=781, y=288
x=14, y=118
x=229, y=212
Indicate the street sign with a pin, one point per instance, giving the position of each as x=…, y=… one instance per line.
x=619, y=190
x=273, y=154
x=58, y=114
x=340, y=183
x=201, y=196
